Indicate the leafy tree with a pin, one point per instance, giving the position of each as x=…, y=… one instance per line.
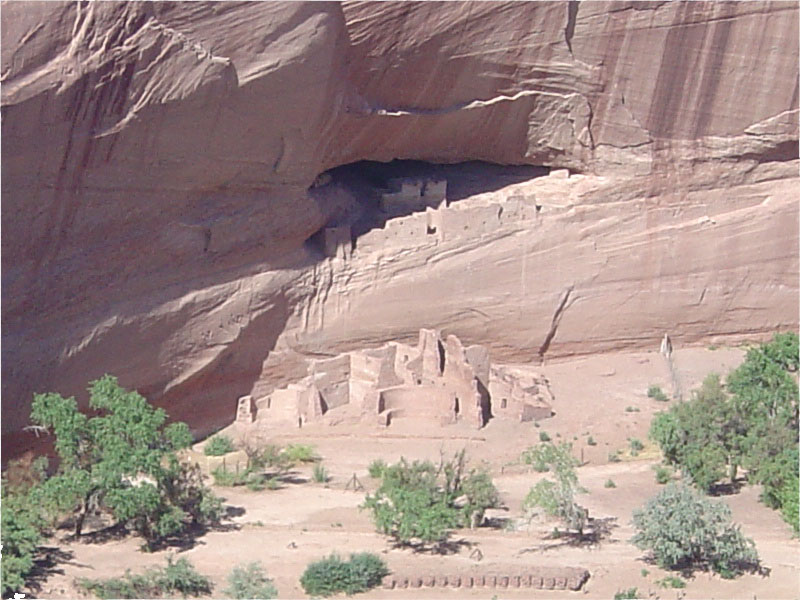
x=420, y=501
x=332, y=575
x=21, y=535
x=557, y=498
x=684, y=530
x=250, y=581
x=753, y=424
x=697, y=435
x=124, y=459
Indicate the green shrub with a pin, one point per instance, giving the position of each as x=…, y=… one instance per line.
x=684, y=530
x=629, y=594
x=631, y=409
x=177, y=577
x=591, y=441
x=320, y=473
x=225, y=478
x=101, y=455
x=420, y=501
x=656, y=393
x=544, y=436
x=663, y=474
x=218, y=445
x=250, y=581
x=556, y=498
x=21, y=536
x=614, y=456
x=670, y=581
x=635, y=446
x=544, y=455
x=376, y=468
x=300, y=453
x=332, y=575
x=610, y=483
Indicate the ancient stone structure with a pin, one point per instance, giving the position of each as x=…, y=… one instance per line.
x=409, y=195
x=439, y=381
x=546, y=578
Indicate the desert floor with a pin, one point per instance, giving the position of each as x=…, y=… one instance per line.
x=603, y=397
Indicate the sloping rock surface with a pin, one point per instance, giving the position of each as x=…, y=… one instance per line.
x=157, y=159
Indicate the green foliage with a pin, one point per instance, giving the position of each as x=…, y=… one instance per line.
x=694, y=435
x=544, y=436
x=684, y=530
x=635, y=446
x=420, y=501
x=332, y=575
x=656, y=393
x=320, y=473
x=663, y=474
x=754, y=424
x=300, y=453
x=610, y=483
x=614, y=456
x=178, y=577
x=250, y=581
x=629, y=594
x=218, y=446
x=376, y=468
x=547, y=456
x=20, y=536
x=123, y=459
x=631, y=409
x=557, y=498
x=591, y=441
x=671, y=582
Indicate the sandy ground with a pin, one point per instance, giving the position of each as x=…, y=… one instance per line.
x=600, y=397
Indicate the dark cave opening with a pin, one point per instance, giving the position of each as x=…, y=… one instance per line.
x=351, y=194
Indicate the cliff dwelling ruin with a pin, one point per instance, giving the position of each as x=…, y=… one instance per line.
x=438, y=380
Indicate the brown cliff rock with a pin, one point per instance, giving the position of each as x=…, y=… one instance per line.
x=157, y=159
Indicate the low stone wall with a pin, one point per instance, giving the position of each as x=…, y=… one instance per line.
x=543, y=578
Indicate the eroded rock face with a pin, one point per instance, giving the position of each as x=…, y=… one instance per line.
x=157, y=159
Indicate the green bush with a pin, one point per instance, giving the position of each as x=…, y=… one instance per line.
x=663, y=474
x=250, y=581
x=218, y=445
x=614, y=456
x=177, y=577
x=332, y=575
x=21, y=536
x=670, y=581
x=591, y=441
x=300, y=453
x=557, y=498
x=320, y=473
x=656, y=393
x=629, y=594
x=631, y=409
x=376, y=468
x=635, y=446
x=684, y=530
x=420, y=501
x=610, y=483
x=544, y=436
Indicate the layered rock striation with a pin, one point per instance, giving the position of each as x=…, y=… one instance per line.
x=159, y=159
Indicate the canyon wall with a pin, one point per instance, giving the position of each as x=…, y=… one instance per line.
x=157, y=160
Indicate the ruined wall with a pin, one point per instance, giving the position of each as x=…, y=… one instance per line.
x=332, y=378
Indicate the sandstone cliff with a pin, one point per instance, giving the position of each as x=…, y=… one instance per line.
x=157, y=159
